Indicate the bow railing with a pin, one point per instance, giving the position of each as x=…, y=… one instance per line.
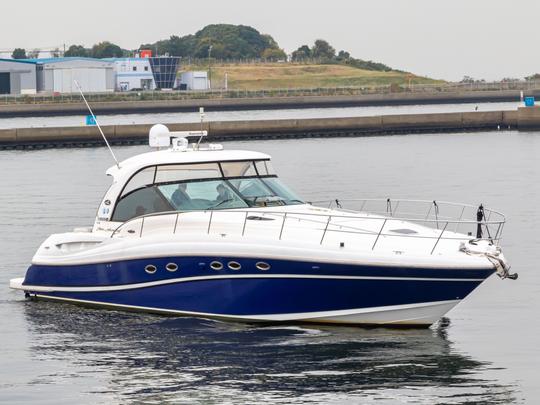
x=430, y=221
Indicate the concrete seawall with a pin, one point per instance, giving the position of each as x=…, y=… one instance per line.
x=526, y=118
x=261, y=103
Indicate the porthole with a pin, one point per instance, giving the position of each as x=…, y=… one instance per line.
x=150, y=269
x=216, y=265
x=234, y=265
x=263, y=266
x=171, y=267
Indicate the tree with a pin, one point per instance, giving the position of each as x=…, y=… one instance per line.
x=322, y=49
x=274, y=54
x=19, y=53
x=76, y=50
x=33, y=54
x=106, y=49
x=228, y=42
x=343, y=56
x=304, y=52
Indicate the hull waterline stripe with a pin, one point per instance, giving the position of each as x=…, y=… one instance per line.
x=309, y=316
x=36, y=288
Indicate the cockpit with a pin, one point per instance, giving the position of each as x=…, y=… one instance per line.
x=202, y=186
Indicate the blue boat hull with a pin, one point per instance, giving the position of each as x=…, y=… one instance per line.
x=287, y=291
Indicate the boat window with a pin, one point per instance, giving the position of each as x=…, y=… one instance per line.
x=238, y=169
x=264, y=192
x=264, y=167
x=141, y=202
x=174, y=173
x=255, y=192
x=142, y=179
x=202, y=195
x=282, y=190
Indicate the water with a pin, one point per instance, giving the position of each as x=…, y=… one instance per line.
x=180, y=117
x=485, y=352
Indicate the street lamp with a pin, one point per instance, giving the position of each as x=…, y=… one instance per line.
x=209, y=68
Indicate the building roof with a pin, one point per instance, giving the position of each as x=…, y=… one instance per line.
x=17, y=61
x=41, y=61
x=123, y=59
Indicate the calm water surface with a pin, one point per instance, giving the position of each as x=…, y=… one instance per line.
x=486, y=351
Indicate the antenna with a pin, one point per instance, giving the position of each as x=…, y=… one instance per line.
x=201, y=114
x=97, y=123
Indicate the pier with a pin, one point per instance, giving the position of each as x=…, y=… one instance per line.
x=526, y=118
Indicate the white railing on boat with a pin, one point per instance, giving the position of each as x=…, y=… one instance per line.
x=453, y=220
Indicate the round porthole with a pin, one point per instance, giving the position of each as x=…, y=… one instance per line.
x=150, y=269
x=216, y=265
x=234, y=265
x=171, y=267
x=263, y=266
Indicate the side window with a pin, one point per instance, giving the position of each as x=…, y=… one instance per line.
x=174, y=173
x=142, y=179
x=141, y=202
x=238, y=169
x=264, y=167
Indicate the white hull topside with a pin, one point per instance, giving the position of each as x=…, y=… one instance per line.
x=299, y=241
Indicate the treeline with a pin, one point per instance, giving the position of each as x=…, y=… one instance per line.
x=322, y=50
x=104, y=49
x=223, y=41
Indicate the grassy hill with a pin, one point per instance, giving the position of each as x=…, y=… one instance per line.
x=296, y=75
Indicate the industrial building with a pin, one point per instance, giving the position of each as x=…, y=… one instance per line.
x=55, y=75
x=133, y=74
x=17, y=77
x=194, y=81
x=58, y=75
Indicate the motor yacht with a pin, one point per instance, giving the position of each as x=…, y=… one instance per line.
x=197, y=230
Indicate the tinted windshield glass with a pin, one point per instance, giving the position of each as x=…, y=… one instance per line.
x=262, y=192
x=202, y=195
x=202, y=186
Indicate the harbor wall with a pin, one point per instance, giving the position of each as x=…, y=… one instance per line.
x=261, y=103
x=272, y=129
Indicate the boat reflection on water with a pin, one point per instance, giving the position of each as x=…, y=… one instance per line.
x=145, y=358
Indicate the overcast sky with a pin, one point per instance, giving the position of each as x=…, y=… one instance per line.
x=488, y=39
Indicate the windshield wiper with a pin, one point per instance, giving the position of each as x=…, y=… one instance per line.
x=269, y=199
x=221, y=202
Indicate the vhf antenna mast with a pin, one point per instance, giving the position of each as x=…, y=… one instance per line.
x=97, y=123
x=201, y=115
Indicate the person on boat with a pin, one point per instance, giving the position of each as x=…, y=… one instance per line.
x=223, y=193
x=181, y=198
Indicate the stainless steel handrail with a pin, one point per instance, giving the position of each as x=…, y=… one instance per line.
x=325, y=220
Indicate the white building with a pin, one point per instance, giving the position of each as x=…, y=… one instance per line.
x=17, y=77
x=58, y=75
x=195, y=80
x=133, y=74
x=55, y=75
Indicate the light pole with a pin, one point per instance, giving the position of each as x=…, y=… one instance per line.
x=209, y=68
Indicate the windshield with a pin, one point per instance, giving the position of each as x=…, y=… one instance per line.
x=187, y=188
